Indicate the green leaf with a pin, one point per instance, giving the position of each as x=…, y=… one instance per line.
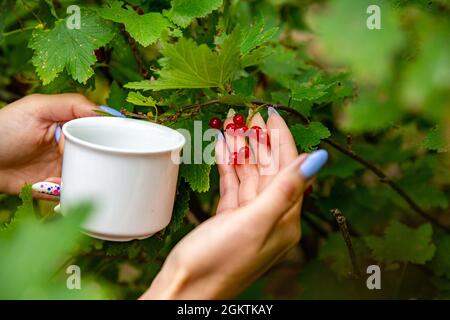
x=282, y=97
x=404, y=244
x=197, y=175
x=343, y=168
x=145, y=29
x=229, y=57
x=345, y=37
x=72, y=49
x=308, y=137
x=138, y=99
x=244, y=86
x=370, y=113
x=435, y=140
x=307, y=91
x=335, y=254
x=441, y=261
x=281, y=63
x=26, y=208
x=418, y=181
x=429, y=71
x=6, y=7
x=187, y=65
x=234, y=100
x=33, y=252
x=319, y=282
x=180, y=208
x=255, y=35
x=118, y=98
x=183, y=12
x=255, y=57
x=52, y=8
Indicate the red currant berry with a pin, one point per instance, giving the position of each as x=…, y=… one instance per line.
x=239, y=119
x=215, y=123
x=244, y=152
x=241, y=130
x=254, y=132
x=100, y=54
x=140, y=11
x=234, y=158
x=308, y=191
x=230, y=128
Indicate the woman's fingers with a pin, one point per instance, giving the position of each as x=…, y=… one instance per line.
x=229, y=182
x=62, y=107
x=247, y=171
x=56, y=180
x=283, y=147
x=258, y=140
x=286, y=190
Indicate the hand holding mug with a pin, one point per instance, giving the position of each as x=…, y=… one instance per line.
x=29, y=150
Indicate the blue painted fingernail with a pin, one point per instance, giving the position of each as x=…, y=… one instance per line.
x=112, y=111
x=271, y=111
x=314, y=163
x=58, y=134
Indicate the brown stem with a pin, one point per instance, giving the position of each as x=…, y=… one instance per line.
x=340, y=219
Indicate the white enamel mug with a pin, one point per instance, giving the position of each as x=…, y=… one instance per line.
x=127, y=168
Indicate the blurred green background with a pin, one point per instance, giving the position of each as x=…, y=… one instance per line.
x=380, y=94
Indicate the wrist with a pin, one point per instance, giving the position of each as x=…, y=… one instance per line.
x=167, y=285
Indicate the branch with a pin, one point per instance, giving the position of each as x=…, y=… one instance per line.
x=377, y=171
x=385, y=179
x=345, y=150
x=340, y=219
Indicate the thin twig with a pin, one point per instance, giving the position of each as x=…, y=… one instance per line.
x=340, y=219
x=385, y=179
x=349, y=142
x=377, y=171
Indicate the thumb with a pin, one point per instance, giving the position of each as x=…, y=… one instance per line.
x=287, y=187
x=62, y=107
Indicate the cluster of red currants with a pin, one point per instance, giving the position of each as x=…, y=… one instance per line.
x=238, y=128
